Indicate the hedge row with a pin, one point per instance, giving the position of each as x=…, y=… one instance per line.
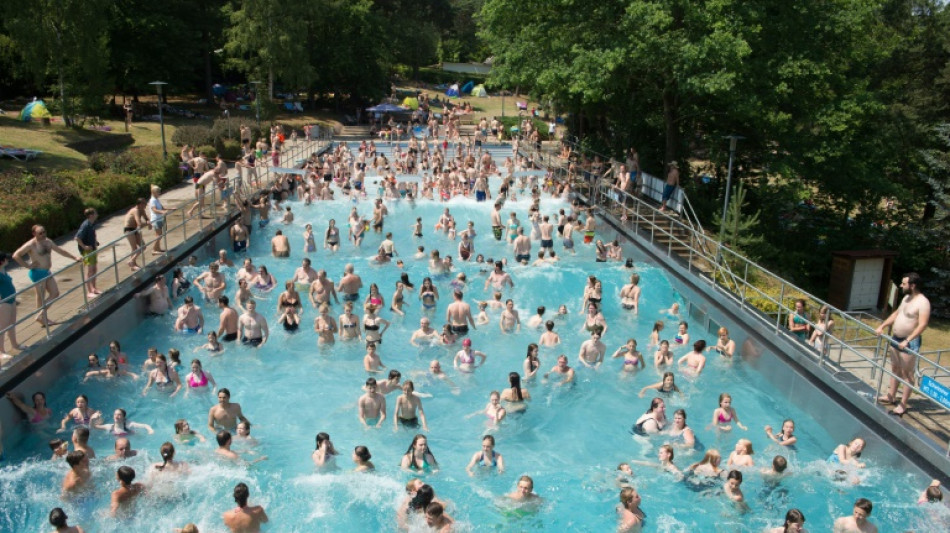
x=56, y=200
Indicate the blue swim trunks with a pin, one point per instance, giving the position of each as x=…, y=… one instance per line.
x=38, y=274
x=191, y=331
x=913, y=346
x=263, y=222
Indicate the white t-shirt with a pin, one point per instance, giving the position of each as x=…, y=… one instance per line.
x=153, y=204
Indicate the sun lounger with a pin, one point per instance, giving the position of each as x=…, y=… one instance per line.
x=20, y=154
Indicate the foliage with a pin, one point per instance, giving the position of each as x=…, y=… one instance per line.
x=208, y=150
x=739, y=230
x=192, y=135
x=937, y=161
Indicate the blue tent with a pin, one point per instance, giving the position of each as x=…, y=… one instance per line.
x=386, y=108
x=35, y=110
x=467, y=88
x=453, y=91
x=219, y=90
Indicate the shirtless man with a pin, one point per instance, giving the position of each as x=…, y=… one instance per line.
x=247, y=272
x=211, y=283
x=228, y=330
x=630, y=294
x=80, y=440
x=123, y=450
x=263, y=208
x=481, y=188
x=536, y=320
x=280, y=245
x=372, y=405
x=672, y=181
x=592, y=351
x=496, y=226
x=78, y=476
x=858, y=521
x=437, y=520
x=525, y=491
x=547, y=234
x=39, y=248
x=159, y=302
x=510, y=322
x=322, y=289
x=387, y=249
x=909, y=322
x=252, y=327
x=190, y=319
x=223, y=259
x=568, y=234
x=350, y=284
x=305, y=275
x=459, y=315
x=239, y=236
x=522, y=247
x=325, y=325
x=136, y=219
x=563, y=369
x=379, y=214
x=549, y=337
x=425, y=334
x=226, y=414
x=245, y=518
x=406, y=406
x=499, y=278
x=127, y=490
x=590, y=228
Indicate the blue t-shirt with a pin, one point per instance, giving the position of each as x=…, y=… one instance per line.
x=6, y=287
x=87, y=234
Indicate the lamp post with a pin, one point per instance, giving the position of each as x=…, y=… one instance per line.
x=733, y=139
x=257, y=99
x=161, y=115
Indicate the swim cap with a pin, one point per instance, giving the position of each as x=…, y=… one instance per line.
x=467, y=342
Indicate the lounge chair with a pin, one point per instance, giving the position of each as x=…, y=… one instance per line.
x=20, y=154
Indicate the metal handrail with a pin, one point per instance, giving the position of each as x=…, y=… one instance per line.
x=265, y=179
x=643, y=214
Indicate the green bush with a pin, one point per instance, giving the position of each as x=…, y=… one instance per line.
x=209, y=151
x=509, y=121
x=192, y=135
x=230, y=150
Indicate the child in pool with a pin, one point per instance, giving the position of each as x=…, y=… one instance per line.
x=725, y=414
x=212, y=345
x=482, y=317
x=184, y=433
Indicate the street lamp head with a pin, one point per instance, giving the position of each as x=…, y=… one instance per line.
x=158, y=85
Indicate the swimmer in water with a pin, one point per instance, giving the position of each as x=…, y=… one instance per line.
x=725, y=414
x=742, y=455
x=786, y=437
x=666, y=385
x=487, y=458
x=632, y=359
x=695, y=360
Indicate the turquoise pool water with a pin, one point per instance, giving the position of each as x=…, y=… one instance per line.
x=569, y=440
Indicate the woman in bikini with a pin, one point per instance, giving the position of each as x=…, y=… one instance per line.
x=349, y=324
x=724, y=415
x=122, y=426
x=681, y=434
x=514, y=396
x=418, y=457
x=531, y=362
x=655, y=334
x=374, y=298
x=493, y=410
x=682, y=335
x=115, y=351
x=371, y=325
x=289, y=298
x=399, y=299
x=663, y=356
x=82, y=415
x=487, y=458
x=309, y=244
x=36, y=414
x=331, y=239
x=848, y=454
x=591, y=294
x=198, y=379
x=264, y=281
x=786, y=437
x=111, y=371
x=594, y=319
x=325, y=326
x=428, y=294
x=667, y=385
x=695, y=360
x=632, y=359
x=163, y=377
x=448, y=336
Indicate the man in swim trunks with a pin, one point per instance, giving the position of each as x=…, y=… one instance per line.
x=304, y=276
x=228, y=330
x=672, y=182
x=39, y=249
x=499, y=278
x=280, y=245
x=190, y=319
x=590, y=228
x=379, y=214
x=481, y=188
x=247, y=272
x=87, y=244
x=522, y=247
x=252, y=326
x=387, y=249
x=211, y=283
x=406, y=406
x=371, y=405
x=322, y=289
x=223, y=260
x=238, y=236
x=245, y=518
x=908, y=324
x=563, y=369
x=226, y=414
x=459, y=315
x=496, y=227
x=568, y=233
x=350, y=284
x=547, y=232
x=263, y=209
x=592, y=350
x=425, y=333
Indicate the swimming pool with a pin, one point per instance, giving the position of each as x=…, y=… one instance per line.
x=569, y=440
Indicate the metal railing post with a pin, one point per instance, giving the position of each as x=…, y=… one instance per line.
x=781, y=305
x=85, y=297
x=115, y=265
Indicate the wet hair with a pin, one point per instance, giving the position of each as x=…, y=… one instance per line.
x=748, y=446
x=370, y=382
x=168, y=453
x=223, y=437
x=435, y=509
x=514, y=379
x=81, y=434
x=422, y=498
x=126, y=474
x=223, y=300
x=654, y=403
x=699, y=345
x=549, y=325
x=54, y=444
x=793, y=516
x=404, y=278
x=324, y=437
x=626, y=495
x=241, y=494
x=657, y=326
x=363, y=453
x=708, y=458
x=40, y=394
x=679, y=411
x=669, y=450
x=865, y=505
x=394, y=374
x=57, y=517
x=933, y=494
x=125, y=419
x=225, y=391
x=735, y=474
x=541, y=310
x=180, y=425
x=75, y=457
x=779, y=463
x=489, y=438
x=427, y=450
x=723, y=396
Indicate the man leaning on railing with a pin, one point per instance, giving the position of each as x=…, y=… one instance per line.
x=907, y=323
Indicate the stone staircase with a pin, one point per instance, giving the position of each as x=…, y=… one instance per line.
x=353, y=133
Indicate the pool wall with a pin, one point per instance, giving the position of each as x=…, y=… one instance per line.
x=792, y=372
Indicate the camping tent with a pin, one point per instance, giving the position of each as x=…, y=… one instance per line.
x=386, y=108
x=467, y=88
x=453, y=91
x=35, y=110
x=410, y=102
x=479, y=91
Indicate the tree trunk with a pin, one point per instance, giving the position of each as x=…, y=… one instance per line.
x=209, y=90
x=270, y=83
x=670, y=121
